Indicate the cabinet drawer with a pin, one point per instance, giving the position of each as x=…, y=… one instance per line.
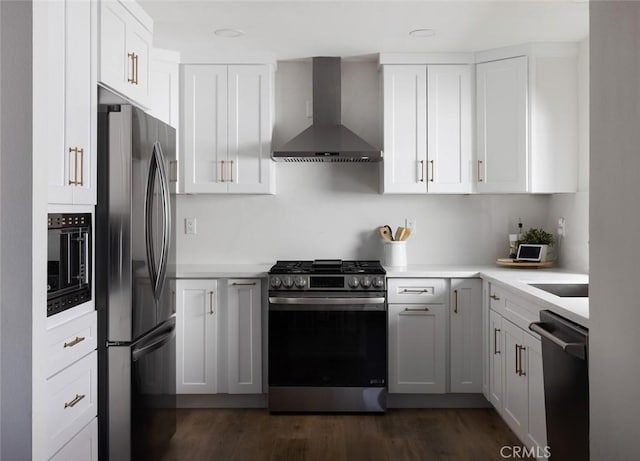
x=513, y=307
x=497, y=298
x=71, y=401
x=83, y=447
x=418, y=291
x=71, y=341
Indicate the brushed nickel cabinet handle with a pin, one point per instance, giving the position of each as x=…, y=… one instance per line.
x=522, y=372
x=243, y=284
x=81, y=152
x=455, y=304
x=75, y=401
x=421, y=170
x=211, y=309
x=221, y=171
x=495, y=297
x=433, y=170
x=136, y=68
x=495, y=341
x=132, y=78
x=424, y=290
x=416, y=309
x=480, y=178
x=74, y=151
x=77, y=340
x=517, y=357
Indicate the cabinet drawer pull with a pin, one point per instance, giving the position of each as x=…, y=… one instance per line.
x=74, y=151
x=80, y=151
x=421, y=171
x=517, y=358
x=221, y=171
x=480, y=178
x=495, y=297
x=455, y=304
x=407, y=290
x=211, y=309
x=433, y=170
x=243, y=284
x=231, y=170
x=521, y=371
x=495, y=341
x=72, y=343
x=75, y=401
x=132, y=79
x=416, y=309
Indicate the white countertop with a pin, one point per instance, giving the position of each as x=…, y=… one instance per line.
x=574, y=309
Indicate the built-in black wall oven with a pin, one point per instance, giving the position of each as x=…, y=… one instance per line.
x=68, y=261
x=327, y=337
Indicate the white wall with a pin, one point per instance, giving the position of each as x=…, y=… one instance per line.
x=333, y=210
x=15, y=230
x=574, y=247
x=614, y=225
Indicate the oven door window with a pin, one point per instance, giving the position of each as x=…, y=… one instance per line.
x=327, y=348
x=65, y=260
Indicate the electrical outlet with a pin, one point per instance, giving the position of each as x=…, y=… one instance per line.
x=190, y=226
x=562, y=227
x=410, y=223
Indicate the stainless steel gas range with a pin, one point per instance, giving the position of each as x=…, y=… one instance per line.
x=327, y=336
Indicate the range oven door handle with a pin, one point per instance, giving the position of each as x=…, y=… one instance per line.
x=327, y=301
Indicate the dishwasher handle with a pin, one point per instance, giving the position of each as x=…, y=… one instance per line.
x=578, y=350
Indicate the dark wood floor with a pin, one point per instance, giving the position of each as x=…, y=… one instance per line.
x=248, y=435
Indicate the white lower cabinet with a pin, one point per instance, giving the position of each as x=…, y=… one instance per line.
x=244, y=358
x=417, y=348
x=466, y=335
x=516, y=384
x=210, y=360
x=83, y=447
x=197, y=336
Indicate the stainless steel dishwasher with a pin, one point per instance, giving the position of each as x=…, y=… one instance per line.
x=566, y=385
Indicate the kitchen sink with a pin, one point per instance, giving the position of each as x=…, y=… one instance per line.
x=564, y=290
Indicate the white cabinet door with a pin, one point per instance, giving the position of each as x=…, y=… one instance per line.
x=244, y=313
x=72, y=99
x=125, y=48
x=197, y=336
x=417, y=348
x=83, y=447
x=449, y=129
x=164, y=86
x=515, y=394
x=249, y=123
x=537, y=423
x=405, y=129
x=496, y=353
x=501, y=92
x=466, y=335
x=204, y=128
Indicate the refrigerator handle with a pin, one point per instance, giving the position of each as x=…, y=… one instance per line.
x=148, y=222
x=166, y=219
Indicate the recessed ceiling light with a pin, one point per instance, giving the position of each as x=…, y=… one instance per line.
x=422, y=33
x=228, y=33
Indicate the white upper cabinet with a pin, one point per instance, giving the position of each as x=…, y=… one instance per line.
x=427, y=129
x=226, y=128
x=125, y=49
x=501, y=89
x=71, y=99
x=405, y=129
x=164, y=86
x=449, y=147
x=526, y=120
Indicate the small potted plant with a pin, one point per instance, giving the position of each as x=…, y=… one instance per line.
x=540, y=237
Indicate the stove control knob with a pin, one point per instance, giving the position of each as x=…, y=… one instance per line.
x=287, y=282
x=276, y=282
x=365, y=282
x=378, y=282
x=354, y=282
x=301, y=282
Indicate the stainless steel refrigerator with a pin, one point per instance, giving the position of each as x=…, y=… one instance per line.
x=135, y=245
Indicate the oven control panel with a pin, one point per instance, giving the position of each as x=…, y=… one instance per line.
x=327, y=282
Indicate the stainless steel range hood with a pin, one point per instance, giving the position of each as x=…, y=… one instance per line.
x=327, y=140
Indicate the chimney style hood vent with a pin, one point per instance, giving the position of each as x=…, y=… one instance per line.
x=327, y=140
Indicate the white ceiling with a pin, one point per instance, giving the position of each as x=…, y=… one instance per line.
x=286, y=30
